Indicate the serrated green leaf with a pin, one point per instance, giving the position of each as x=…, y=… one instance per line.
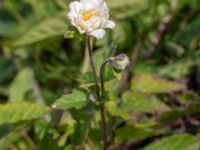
x=135, y=102
x=17, y=112
x=175, y=142
x=148, y=83
x=22, y=83
x=76, y=99
x=140, y=102
x=51, y=27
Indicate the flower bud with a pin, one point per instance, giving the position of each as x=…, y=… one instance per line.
x=120, y=62
x=93, y=97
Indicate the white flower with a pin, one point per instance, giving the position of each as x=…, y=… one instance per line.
x=90, y=17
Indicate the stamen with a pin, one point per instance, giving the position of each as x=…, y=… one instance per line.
x=88, y=15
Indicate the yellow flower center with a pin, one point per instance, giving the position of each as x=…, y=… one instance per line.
x=88, y=15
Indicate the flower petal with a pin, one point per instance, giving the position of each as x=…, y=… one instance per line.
x=110, y=24
x=97, y=14
x=91, y=4
x=91, y=1
x=75, y=7
x=99, y=34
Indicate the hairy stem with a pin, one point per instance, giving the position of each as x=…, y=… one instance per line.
x=102, y=107
x=93, y=67
x=102, y=69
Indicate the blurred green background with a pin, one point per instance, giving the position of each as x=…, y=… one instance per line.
x=156, y=99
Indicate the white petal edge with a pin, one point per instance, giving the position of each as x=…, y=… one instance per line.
x=99, y=34
x=80, y=30
x=89, y=1
x=75, y=7
x=110, y=24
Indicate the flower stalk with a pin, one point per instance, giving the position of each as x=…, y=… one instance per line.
x=102, y=106
x=93, y=66
x=119, y=62
x=102, y=69
x=91, y=17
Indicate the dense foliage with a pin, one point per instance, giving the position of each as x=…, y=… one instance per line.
x=46, y=85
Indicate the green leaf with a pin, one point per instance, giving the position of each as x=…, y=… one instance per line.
x=5, y=129
x=6, y=141
x=130, y=133
x=140, y=102
x=171, y=116
x=68, y=121
x=49, y=143
x=72, y=32
x=152, y=84
x=175, y=142
x=86, y=78
x=17, y=112
x=135, y=102
x=116, y=110
x=7, y=22
x=148, y=67
x=77, y=99
x=190, y=33
x=49, y=28
x=83, y=126
x=40, y=128
x=7, y=69
x=5, y=25
x=69, y=147
x=124, y=31
x=179, y=68
x=22, y=83
x=121, y=9
x=100, y=56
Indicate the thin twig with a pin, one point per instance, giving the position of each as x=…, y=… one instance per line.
x=162, y=28
x=161, y=32
x=186, y=18
x=26, y=137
